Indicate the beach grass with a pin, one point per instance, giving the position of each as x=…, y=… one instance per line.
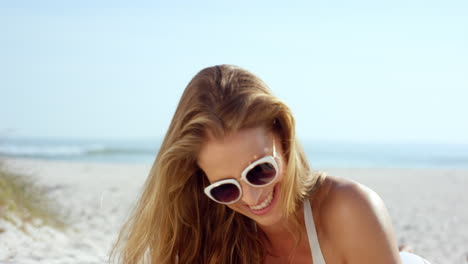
x=22, y=201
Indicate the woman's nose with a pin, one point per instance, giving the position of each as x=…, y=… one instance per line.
x=251, y=195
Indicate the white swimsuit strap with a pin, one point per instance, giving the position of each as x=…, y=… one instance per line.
x=317, y=256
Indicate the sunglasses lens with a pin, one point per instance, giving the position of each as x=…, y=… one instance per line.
x=225, y=193
x=261, y=174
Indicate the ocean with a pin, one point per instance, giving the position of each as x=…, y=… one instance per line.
x=320, y=154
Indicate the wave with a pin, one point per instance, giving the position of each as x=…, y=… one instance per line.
x=320, y=154
x=69, y=150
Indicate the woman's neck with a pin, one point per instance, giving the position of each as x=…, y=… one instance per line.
x=281, y=237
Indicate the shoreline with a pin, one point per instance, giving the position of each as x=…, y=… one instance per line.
x=427, y=207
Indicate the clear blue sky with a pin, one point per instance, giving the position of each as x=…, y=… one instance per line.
x=350, y=70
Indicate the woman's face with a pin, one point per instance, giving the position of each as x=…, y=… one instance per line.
x=226, y=158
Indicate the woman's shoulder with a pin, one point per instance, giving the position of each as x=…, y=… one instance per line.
x=339, y=195
x=346, y=203
x=351, y=215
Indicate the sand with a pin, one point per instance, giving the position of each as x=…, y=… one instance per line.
x=429, y=208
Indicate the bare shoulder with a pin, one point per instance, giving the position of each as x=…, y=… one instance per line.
x=342, y=197
x=356, y=221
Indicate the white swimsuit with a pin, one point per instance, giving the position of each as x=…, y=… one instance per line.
x=317, y=256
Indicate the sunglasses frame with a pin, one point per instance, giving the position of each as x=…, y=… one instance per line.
x=267, y=159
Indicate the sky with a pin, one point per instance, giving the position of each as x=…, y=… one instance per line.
x=394, y=71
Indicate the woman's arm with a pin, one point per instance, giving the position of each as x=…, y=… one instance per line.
x=359, y=225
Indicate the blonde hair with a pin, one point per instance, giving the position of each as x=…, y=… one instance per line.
x=174, y=220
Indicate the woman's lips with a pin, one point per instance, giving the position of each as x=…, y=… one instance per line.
x=268, y=208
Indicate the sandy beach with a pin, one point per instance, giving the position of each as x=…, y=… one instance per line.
x=429, y=208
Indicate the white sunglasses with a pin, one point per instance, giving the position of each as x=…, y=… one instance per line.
x=260, y=173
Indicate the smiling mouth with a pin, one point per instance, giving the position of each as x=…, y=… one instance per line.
x=265, y=203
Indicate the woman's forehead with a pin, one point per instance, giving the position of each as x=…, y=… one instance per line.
x=246, y=140
x=233, y=152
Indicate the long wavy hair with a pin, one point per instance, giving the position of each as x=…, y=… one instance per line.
x=173, y=220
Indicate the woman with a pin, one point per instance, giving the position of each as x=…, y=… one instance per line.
x=231, y=184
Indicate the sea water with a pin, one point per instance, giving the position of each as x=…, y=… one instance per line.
x=321, y=154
